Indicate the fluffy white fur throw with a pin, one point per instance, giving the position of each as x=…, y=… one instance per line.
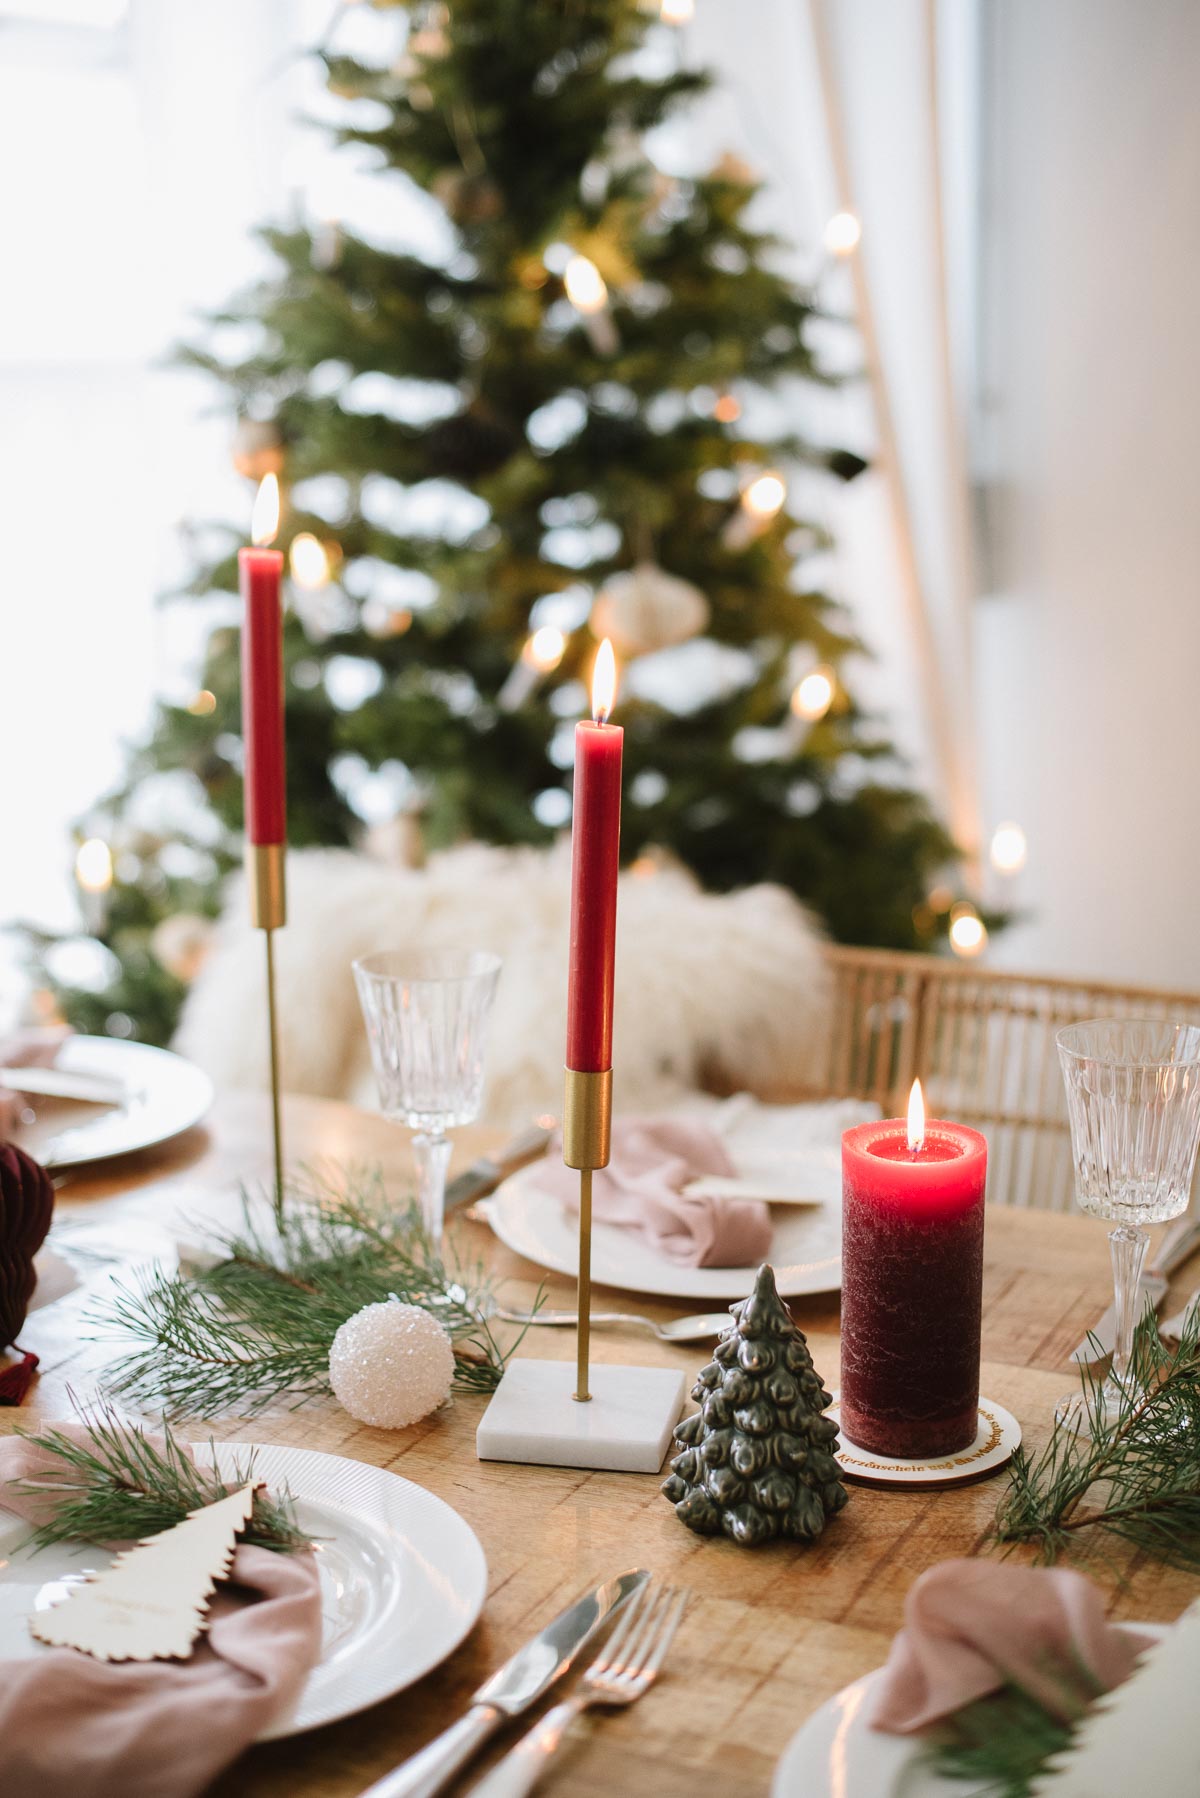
x=725, y=991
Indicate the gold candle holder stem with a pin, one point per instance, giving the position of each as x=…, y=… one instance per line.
x=584, y=1329
x=268, y=911
x=587, y=1130
x=276, y=1109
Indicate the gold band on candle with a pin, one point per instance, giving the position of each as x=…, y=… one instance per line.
x=265, y=884
x=587, y=1119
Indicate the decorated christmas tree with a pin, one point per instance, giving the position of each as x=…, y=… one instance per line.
x=495, y=454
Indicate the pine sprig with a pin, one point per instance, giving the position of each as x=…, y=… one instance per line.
x=1136, y=1477
x=118, y=1486
x=257, y=1326
x=1001, y=1743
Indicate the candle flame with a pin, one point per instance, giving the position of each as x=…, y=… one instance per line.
x=916, y=1117
x=264, y=520
x=604, y=683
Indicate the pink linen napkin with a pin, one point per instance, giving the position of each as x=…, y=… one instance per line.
x=971, y=1627
x=30, y=1049
x=642, y=1189
x=74, y=1727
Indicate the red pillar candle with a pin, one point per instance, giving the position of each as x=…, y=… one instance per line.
x=260, y=571
x=595, y=851
x=912, y=1285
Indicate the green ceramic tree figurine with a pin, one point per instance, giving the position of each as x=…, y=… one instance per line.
x=756, y=1459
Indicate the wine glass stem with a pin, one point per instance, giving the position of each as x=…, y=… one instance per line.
x=1128, y=1246
x=433, y=1158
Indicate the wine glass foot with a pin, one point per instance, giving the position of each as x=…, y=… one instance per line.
x=1090, y=1413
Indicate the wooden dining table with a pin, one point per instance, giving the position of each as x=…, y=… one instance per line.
x=770, y=1634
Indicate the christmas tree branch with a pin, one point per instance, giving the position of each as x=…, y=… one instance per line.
x=1137, y=1476
x=117, y=1485
x=257, y=1326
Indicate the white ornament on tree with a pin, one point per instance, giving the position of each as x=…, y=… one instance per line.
x=151, y=1604
x=645, y=608
x=391, y=1364
x=181, y=944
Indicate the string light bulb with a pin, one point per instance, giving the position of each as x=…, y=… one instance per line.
x=544, y=649
x=1009, y=850
x=813, y=696
x=309, y=562
x=585, y=285
x=843, y=234
x=204, y=704
x=968, y=934
x=728, y=409
x=765, y=495
x=94, y=866
x=677, y=12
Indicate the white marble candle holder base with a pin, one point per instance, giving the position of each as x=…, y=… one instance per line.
x=624, y=1428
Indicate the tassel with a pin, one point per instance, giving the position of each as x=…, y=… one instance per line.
x=16, y=1380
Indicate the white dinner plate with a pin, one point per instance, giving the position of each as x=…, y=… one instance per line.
x=806, y=1248
x=838, y=1755
x=164, y=1094
x=403, y=1578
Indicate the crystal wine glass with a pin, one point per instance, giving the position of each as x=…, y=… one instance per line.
x=1133, y=1097
x=426, y=1016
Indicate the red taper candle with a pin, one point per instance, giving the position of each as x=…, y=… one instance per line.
x=595, y=853
x=260, y=572
x=912, y=1284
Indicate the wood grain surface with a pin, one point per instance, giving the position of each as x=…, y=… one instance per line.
x=771, y=1632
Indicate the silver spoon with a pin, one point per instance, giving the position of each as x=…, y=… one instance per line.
x=706, y=1324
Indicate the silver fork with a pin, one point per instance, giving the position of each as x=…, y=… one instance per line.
x=706, y=1326
x=622, y=1671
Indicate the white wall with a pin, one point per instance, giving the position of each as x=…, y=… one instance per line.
x=1089, y=645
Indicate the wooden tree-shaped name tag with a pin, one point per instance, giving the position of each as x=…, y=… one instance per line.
x=151, y=1604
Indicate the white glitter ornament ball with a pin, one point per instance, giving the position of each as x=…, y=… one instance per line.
x=391, y=1364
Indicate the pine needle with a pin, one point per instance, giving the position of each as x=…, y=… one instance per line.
x=257, y=1326
x=118, y=1486
x=1000, y=1743
x=1137, y=1477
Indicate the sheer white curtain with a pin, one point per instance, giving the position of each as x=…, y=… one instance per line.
x=849, y=104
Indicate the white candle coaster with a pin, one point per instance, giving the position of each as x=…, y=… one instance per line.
x=625, y=1427
x=998, y=1437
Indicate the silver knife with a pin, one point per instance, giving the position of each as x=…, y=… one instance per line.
x=484, y=1175
x=1180, y=1240
x=1172, y=1328
x=511, y=1689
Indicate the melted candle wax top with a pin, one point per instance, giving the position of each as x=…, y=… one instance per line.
x=934, y=1148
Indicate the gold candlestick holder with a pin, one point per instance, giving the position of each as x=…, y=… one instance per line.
x=587, y=1138
x=617, y=1418
x=266, y=885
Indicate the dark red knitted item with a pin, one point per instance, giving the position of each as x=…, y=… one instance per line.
x=26, y=1204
